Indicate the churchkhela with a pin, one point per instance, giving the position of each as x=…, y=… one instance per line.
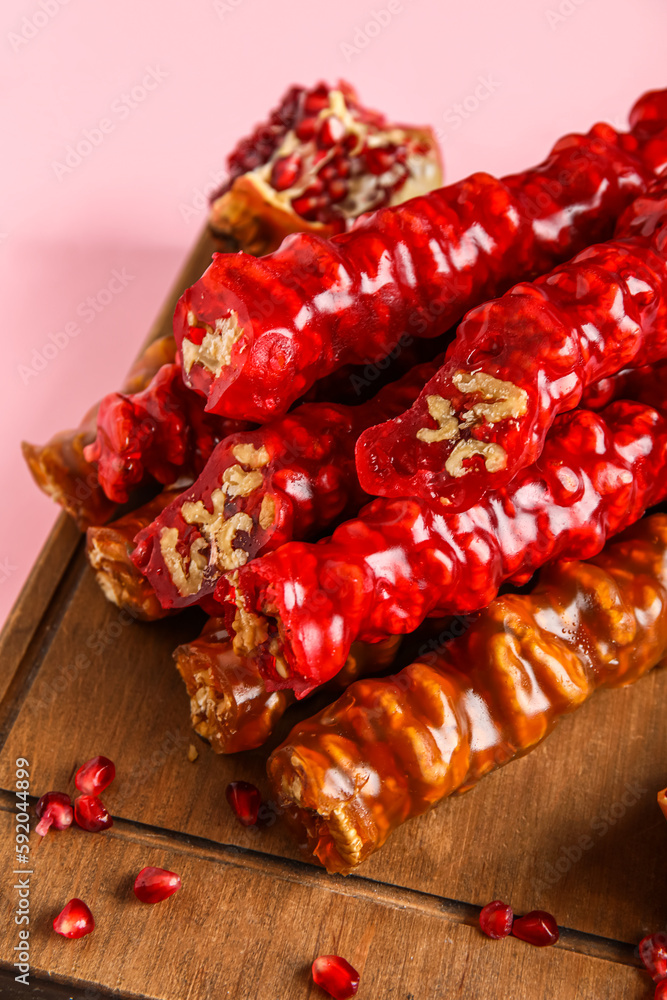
x=109, y=547
x=288, y=479
x=254, y=334
x=60, y=468
x=519, y=361
x=229, y=703
x=297, y=610
x=161, y=432
x=390, y=749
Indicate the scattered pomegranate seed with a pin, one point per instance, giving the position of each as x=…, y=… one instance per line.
x=95, y=775
x=495, y=920
x=661, y=990
x=537, y=927
x=285, y=172
x=245, y=801
x=653, y=953
x=53, y=810
x=74, y=920
x=90, y=814
x=152, y=885
x=336, y=976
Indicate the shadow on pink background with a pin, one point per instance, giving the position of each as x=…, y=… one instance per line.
x=522, y=73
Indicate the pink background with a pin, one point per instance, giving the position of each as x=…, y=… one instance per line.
x=136, y=203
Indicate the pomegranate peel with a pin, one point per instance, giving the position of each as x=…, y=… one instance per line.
x=320, y=161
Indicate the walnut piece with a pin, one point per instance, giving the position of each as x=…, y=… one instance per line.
x=495, y=456
x=215, y=351
x=187, y=581
x=443, y=413
x=248, y=455
x=504, y=400
x=267, y=512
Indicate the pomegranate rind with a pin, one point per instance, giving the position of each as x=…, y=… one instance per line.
x=244, y=218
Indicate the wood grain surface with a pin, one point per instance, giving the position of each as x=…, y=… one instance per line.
x=572, y=828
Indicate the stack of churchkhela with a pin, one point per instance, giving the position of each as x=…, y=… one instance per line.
x=538, y=436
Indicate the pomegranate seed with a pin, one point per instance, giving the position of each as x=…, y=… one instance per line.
x=336, y=976
x=331, y=131
x=317, y=99
x=152, y=885
x=53, y=810
x=74, y=920
x=337, y=190
x=495, y=920
x=341, y=165
x=379, y=160
x=245, y=801
x=91, y=814
x=537, y=927
x=95, y=775
x=285, y=172
x=653, y=953
x=661, y=990
x=305, y=130
x=306, y=207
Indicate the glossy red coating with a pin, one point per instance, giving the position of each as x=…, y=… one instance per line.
x=74, y=920
x=495, y=919
x=401, y=561
x=653, y=953
x=335, y=976
x=152, y=885
x=291, y=478
x=161, y=432
x=254, y=334
x=90, y=814
x=244, y=800
x=519, y=361
x=53, y=810
x=95, y=775
x=537, y=927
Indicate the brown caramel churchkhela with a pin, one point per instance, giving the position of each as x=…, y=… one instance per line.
x=389, y=749
x=229, y=703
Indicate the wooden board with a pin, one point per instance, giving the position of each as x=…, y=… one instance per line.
x=572, y=828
